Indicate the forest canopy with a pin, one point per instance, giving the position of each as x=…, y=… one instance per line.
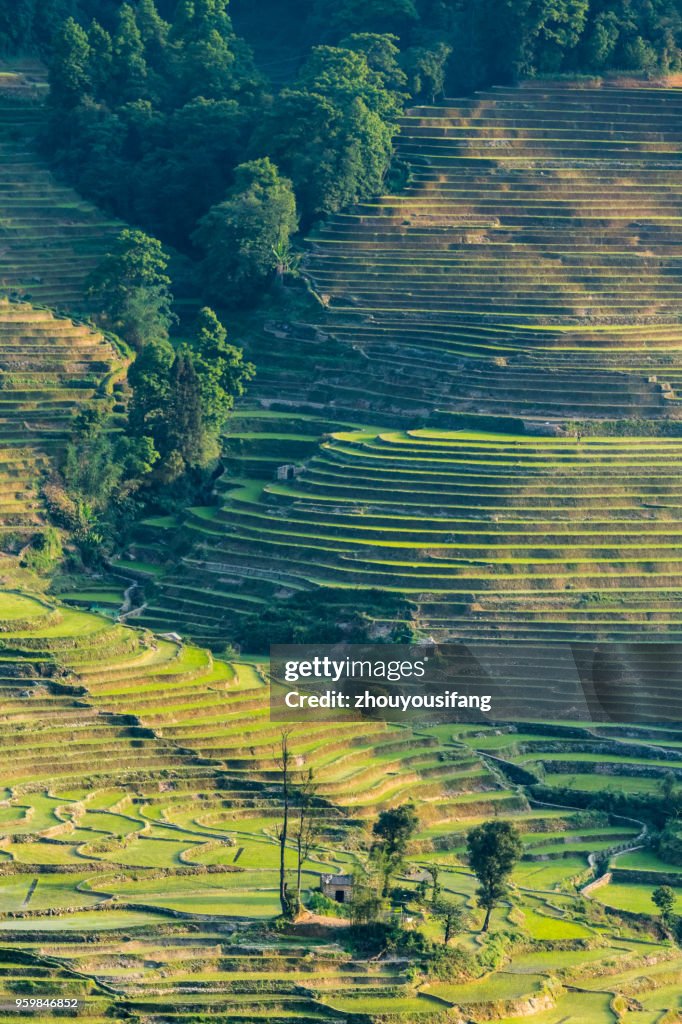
x=150, y=97
x=487, y=40
x=162, y=113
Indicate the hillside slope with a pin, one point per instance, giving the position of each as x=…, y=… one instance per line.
x=50, y=369
x=50, y=238
x=528, y=275
x=139, y=875
x=531, y=268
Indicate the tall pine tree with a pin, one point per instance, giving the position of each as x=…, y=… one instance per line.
x=185, y=420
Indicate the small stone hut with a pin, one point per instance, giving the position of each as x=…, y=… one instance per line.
x=288, y=472
x=337, y=887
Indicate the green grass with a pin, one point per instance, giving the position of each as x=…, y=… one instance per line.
x=548, y=962
x=547, y=875
x=603, y=783
x=635, y=898
x=224, y=896
x=153, y=853
x=548, y=536
x=539, y=926
x=43, y=853
x=493, y=987
x=40, y=814
x=373, y=1004
x=17, y=606
x=108, y=920
x=574, y=1008
x=644, y=860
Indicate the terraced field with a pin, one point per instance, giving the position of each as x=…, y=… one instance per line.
x=50, y=366
x=50, y=369
x=531, y=266
x=50, y=238
x=139, y=875
x=527, y=273
x=490, y=535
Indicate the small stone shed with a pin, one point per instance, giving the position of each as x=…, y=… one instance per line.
x=337, y=887
x=288, y=472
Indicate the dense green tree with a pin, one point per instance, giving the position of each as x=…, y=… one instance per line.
x=602, y=41
x=501, y=40
x=342, y=160
x=239, y=237
x=334, y=18
x=450, y=916
x=32, y=25
x=91, y=470
x=181, y=399
x=90, y=421
x=426, y=68
x=149, y=378
x=493, y=849
x=194, y=19
x=165, y=424
x=137, y=456
x=664, y=898
x=69, y=71
x=364, y=68
x=151, y=117
x=209, y=59
x=382, y=55
x=44, y=552
x=132, y=286
x=332, y=132
x=553, y=31
x=186, y=434
x=101, y=58
x=490, y=38
x=366, y=906
x=392, y=832
x=89, y=146
x=17, y=24
x=100, y=471
x=199, y=142
x=667, y=786
x=129, y=72
x=154, y=32
x=629, y=35
x=221, y=370
x=669, y=845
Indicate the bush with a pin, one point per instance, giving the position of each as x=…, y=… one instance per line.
x=386, y=937
x=44, y=551
x=450, y=964
x=321, y=904
x=325, y=616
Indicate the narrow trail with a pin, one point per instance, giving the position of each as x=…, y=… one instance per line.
x=640, y=841
x=127, y=610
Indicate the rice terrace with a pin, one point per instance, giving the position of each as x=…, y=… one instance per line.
x=323, y=323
